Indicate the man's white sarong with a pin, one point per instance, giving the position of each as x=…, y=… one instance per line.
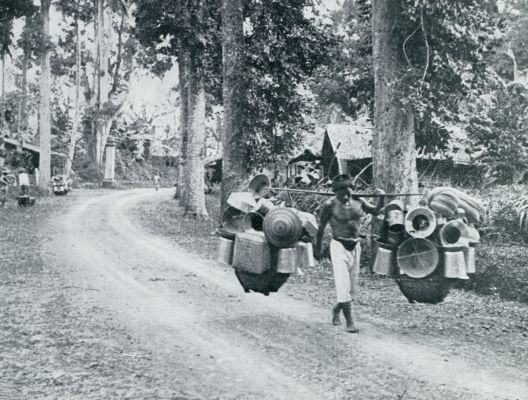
x=346, y=270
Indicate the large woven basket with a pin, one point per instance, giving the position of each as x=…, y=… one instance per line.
x=417, y=258
x=282, y=227
x=266, y=283
x=431, y=290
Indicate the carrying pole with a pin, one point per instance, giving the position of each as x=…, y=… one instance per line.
x=352, y=194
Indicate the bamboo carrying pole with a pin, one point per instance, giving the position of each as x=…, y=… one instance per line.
x=351, y=194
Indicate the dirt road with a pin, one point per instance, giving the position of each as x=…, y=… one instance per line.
x=210, y=340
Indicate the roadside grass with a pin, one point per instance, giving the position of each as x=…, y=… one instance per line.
x=468, y=318
x=166, y=218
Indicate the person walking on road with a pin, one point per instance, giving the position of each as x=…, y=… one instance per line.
x=344, y=212
x=157, y=180
x=23, y=182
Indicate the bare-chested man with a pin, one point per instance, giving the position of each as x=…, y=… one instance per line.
x=344, y=213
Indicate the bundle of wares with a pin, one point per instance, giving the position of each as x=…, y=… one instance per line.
x=263, y=240
x=427, y=247
x=424, y=248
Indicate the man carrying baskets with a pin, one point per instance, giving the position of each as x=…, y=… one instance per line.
x=344, y=212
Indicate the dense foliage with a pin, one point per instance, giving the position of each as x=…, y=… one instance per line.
x=167, y=28
x=499, y=131
x=11, y=9
x=283, y=45
x=445, y=48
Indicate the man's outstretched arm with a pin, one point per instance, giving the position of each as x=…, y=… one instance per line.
x=324, y=218
x=369, y=208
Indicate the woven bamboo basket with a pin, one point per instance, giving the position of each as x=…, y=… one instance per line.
x=431, y=290
x=266, y=283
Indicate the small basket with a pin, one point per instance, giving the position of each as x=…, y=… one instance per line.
x=385, y=262
x=225, y=250
x=252, y=253
x=287, y=261
x=454, y=262
x=396, y=234
x=420, y=222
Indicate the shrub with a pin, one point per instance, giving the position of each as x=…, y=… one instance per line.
x=503, y=271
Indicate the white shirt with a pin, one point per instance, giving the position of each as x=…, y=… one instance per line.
x=23, y=179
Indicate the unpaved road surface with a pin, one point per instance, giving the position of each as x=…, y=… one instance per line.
x=190, y=328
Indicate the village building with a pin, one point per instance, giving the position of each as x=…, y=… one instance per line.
x=348, y=149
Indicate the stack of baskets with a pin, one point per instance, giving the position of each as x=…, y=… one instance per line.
x=264, y=242
x=427, y=247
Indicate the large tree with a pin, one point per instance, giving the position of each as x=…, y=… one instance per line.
x=270, y=49
x=265, y=66
x=393, y=144
x=234, y=136
x=9, y=11
x=186, y=30
x=45, y=96
x=77, y=14
x=428, y=57
x=440, y=53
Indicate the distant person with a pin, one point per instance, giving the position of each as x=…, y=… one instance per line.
x=23, y=182
x=157, y=180
x=37, y=176
x=4, y=187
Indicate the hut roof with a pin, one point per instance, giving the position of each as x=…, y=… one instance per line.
x=356, y=144
x=307, y=155
x=354, y=141
x=25, y=146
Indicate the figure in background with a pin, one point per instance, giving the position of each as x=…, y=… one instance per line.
x=4, y=186
x=23, y=182
x=157, y=180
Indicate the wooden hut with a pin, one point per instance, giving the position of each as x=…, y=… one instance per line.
x=346, y=149
x=352, y=146
x=302, y=163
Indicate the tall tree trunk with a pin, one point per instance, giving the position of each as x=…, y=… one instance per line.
x=234, y=161
x=119, y=56
x=22, y=112
x=74, y=134
x=93, y=144
x=45, y=93
x=99, y=84
x=2, y=145
x=2, y=104
x=195, y=198
x=393, y=147
x=105, y=122
x=3, y=77
x=183, y=76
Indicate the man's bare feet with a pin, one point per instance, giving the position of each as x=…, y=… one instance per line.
x=347, y=311
x=336, y=320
